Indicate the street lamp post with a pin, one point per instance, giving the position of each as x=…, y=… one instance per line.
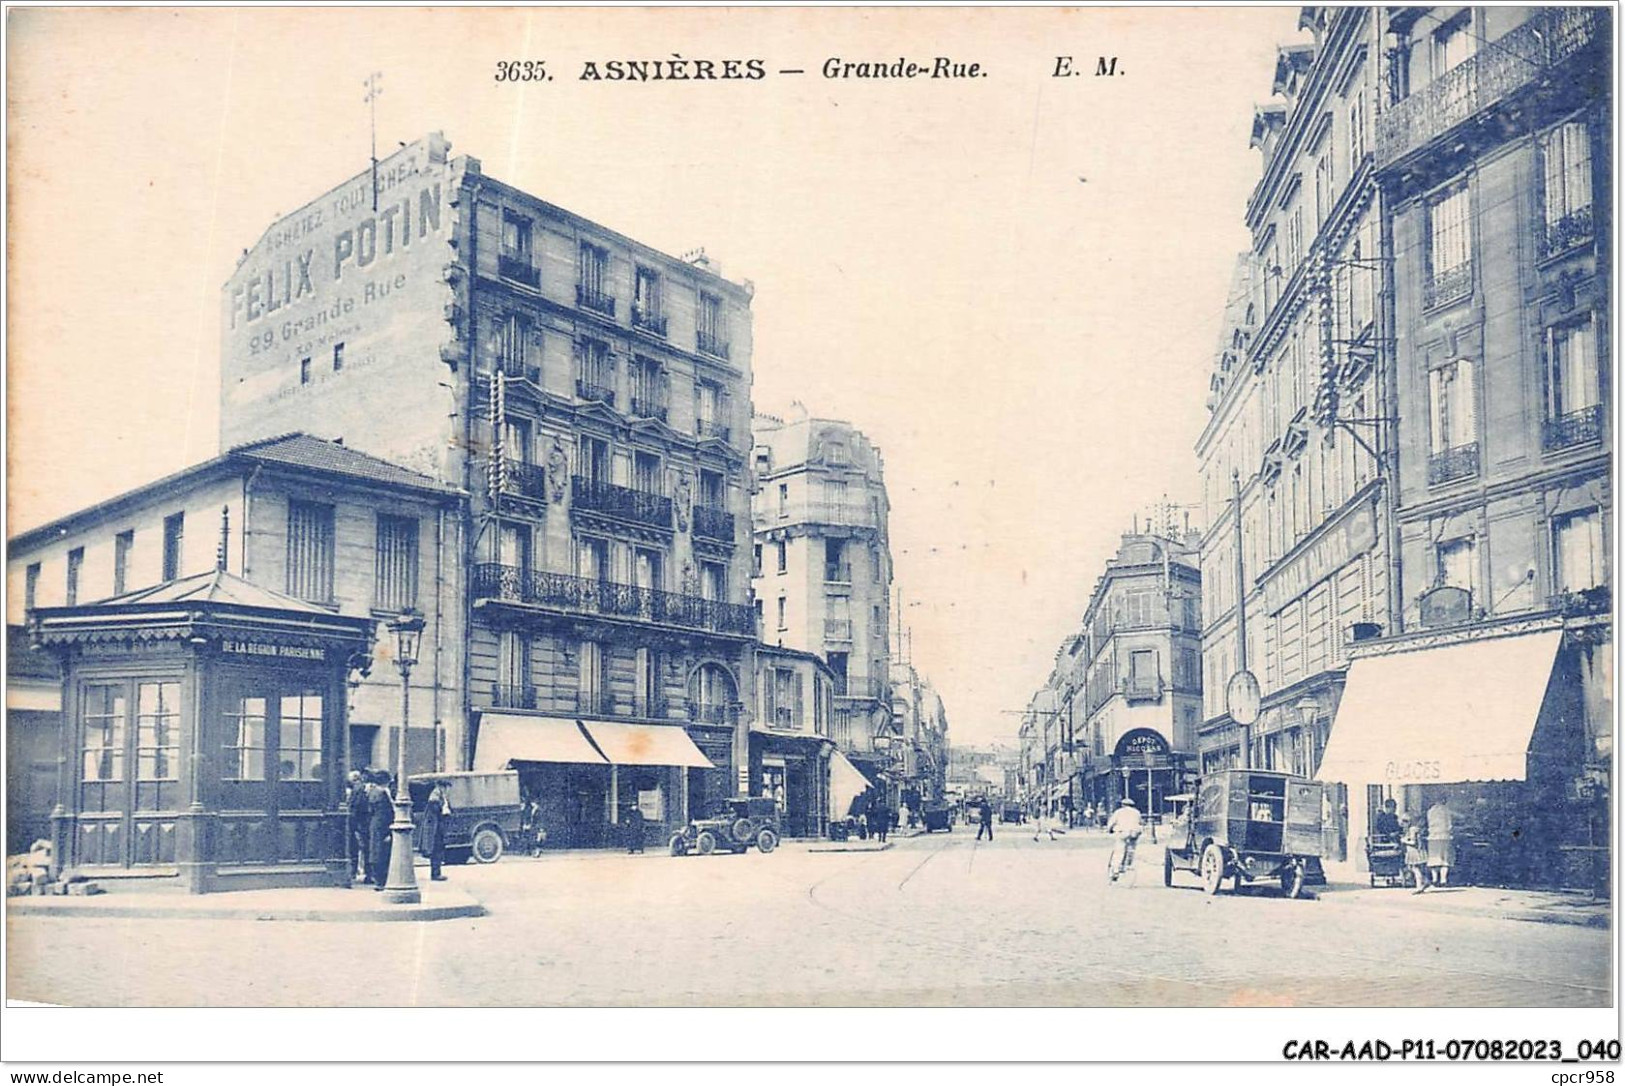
x=402, y=887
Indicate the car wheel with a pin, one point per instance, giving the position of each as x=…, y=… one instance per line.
x=679, y=845
x=705, y=843
x=1292, y=880
x=487, y=845
x=767, y=840
x=1212, y=868
x=742, y=830
x=1168, y=868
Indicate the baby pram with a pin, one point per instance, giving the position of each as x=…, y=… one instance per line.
x=1385, y=855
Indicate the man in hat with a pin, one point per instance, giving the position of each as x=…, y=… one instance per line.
x=436, y=810
x=1125, y=821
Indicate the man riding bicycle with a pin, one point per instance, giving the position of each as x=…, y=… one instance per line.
x=1126, y=822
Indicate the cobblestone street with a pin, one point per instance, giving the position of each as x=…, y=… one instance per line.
x=937, y=920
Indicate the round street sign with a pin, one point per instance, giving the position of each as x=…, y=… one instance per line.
x=1241, y=696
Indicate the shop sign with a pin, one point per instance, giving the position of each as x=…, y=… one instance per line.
x=125, y=648
x=1342, y=542
x=649, y=804
x=1413, y=772
x=280, y=652
x=1447, y=605
x=1141, y=745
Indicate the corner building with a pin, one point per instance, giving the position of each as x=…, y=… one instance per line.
x=591, y=395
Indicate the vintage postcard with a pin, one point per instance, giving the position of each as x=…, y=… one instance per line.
x=1096, y=508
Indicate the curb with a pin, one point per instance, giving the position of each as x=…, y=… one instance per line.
x=145, y=910
x=1580, y=920
x=846, y=848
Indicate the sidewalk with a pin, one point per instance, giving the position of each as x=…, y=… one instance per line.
x=1350, y=887
x=360, y=904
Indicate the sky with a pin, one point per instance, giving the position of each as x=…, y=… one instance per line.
x=1012, y=283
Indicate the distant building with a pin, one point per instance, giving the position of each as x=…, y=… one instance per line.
x=823, y=570
x=790, y=747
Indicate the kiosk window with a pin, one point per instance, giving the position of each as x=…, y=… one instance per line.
x=245, y=753
x=104, y=733
x=300, y=748
x=157, y=749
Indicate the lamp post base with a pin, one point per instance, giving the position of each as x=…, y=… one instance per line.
x=402, y=887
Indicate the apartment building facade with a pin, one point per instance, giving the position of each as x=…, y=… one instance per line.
x=591, y=396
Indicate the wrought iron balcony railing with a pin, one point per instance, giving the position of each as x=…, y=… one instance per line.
x=519, y=269
x=841, y=574
x=1448, y=285
x=1452, y=464
x=624, y=502
x=713, y=522
x=1572, y=230
x=645, y=321
x=595, y=300
x=582, y=595
x=837, y=629
x=516, y=369
x=1499, y=69
x=526, y=480
x=649, y=407
x=712, y=713
x=512, y=697
x=1143, y=688
x=864, y=688
x=841, y=514
x=712, y=344
x=592, y=390
x=1574, y=428
x=711, y=428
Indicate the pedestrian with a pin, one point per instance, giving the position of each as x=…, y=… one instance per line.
x=634, y=828
x=1089, y=816
x=984, y=820
x=436, y=813
x=1042, y=824
x=380, y=813
x=879, y=819
x=1415, y=857
x=1387, y=822
x=1441, y=841
x=355, y=826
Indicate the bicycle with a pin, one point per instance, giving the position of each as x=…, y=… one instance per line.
x=1120, y=869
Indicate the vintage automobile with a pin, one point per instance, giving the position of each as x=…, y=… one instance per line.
x=485, y=813
x=741, y=822
x=1251, y=824
x=936, y=815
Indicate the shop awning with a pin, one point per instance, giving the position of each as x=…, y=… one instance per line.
x=1445, y=715
x=507, y=737
x=646, y=744
x=846, y=783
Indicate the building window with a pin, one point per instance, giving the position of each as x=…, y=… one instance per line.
x=1356, y=132
x=245, y=754
x=516, y=239
x=513, y=546
x=647, y=569
x=512, y=342
x=875, y=563
x=648, y=307
x=713, y=581
x=1323, y=189
x=1577, y=551
x=1573, y=385
x=646, y=474
x=31, y=586
x=299, y=737
x=646, y=677
x=781, y=556
x=592, y=288
x=709, y=333
x=304, y=371
x=595, y=377
x=310, y=551
x=338, y=357
x=1294, y=239
x=784, y=499
x=395, y=576
x=1566, y=159
x=76, y=564
x=1458, y=564
x=1450, y=259
x=1453, y=44
x=102, y=756
x=174, y=536
x=593, y=460
x=1453, y=437
x=836, y=567
x=590, y=678
x=158, y=732
x=651, y=389
x=592, y=559
x=513, y=670
x=122, y=544
x=783, y=625
x=756, y=560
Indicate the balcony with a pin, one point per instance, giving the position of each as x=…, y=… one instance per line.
x=712, y=429
x=1143, y=688
x=838, y=514
x=841, y=574
x=595, y=300
x=1569, y=232
x=712, y=344
x=513, y=697
x=1453, y=464
x=1582, y=602
x=525, y=480
x=1448, y=286
x=645, y=321
x=1575, y=428
x=623, y=502
x=515, y=369
x=1497, y=71
x=592, y=390
x=711, y=713
x=864, y=689
x=649, y=407
x=713, y=522
x=837, y=629
x=520, y=270
x=581, y=595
